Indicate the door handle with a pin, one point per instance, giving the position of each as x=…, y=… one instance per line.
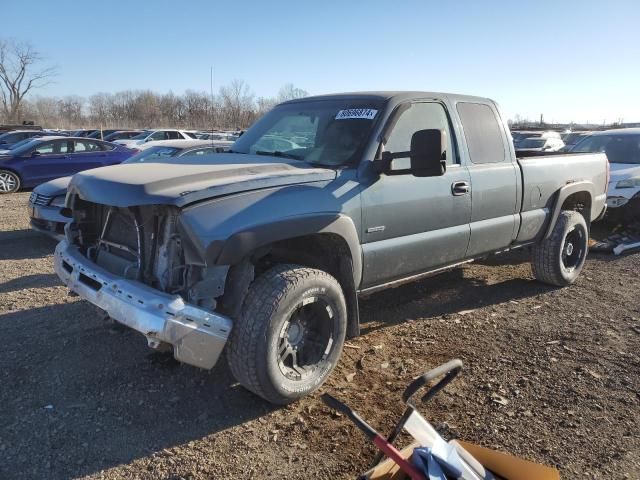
x=460, y=188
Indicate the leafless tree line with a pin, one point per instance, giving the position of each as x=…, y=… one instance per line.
x=235, y=106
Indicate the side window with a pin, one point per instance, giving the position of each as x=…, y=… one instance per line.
x=172, y=135
x=59, y=146
x=105, y=147
x=93, y=146
x=158, y=136
x=44, y=148
x=85, y=146
x=419, y=116
x=483, y=133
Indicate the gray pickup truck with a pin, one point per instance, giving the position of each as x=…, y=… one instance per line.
x=266, y=249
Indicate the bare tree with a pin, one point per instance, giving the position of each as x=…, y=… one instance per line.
x=19, y=75
x=237, y=101
x=290, y=92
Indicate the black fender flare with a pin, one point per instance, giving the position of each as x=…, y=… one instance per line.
x=242, y=243
x=564, y=193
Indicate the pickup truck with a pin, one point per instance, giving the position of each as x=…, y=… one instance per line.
x=266, y=252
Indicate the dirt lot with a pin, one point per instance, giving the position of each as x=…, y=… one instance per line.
x=551, y=375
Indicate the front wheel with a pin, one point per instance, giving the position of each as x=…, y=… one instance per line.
x=559, y=259
x=9, y=182
x=290, y=333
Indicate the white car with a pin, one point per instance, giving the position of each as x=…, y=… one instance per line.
x=540, y=144
x=180, y=143
x=622, y=147
x=156, y=135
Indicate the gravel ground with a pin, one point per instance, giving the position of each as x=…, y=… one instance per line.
x=550, y=374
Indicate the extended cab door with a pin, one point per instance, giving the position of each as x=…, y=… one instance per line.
x=414, y=224
x=495, y=179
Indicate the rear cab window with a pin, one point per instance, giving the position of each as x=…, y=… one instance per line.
x=483, y=133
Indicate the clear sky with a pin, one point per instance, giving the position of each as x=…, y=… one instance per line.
x=570, y=60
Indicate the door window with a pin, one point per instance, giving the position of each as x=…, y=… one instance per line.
x=171, y=135
x=419, y=116
x=85, y=146
x=158, y=136
x=45, y=148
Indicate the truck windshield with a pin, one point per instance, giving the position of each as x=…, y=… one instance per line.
x=324, y=132
x=619, y=148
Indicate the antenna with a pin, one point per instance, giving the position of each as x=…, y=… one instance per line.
x=211, y=100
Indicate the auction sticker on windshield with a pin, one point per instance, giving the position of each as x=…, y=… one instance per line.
x=365, y=113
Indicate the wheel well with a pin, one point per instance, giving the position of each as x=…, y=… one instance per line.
x=579, y=202
x=11, y=170
x=324, y=251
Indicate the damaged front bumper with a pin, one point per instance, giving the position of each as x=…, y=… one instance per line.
x=197, y=335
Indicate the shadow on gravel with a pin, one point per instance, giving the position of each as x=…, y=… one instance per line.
x=447, y=293
x=25, y=244
x=79, y=396
x=42, y=280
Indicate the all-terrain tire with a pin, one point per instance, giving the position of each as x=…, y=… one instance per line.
x=274, y=301
x=558, y=260
x=9, y=181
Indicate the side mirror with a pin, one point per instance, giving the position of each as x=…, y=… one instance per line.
x=426, y=154
x=35, y=153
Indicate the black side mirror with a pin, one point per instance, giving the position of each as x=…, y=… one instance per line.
x=35, y=153
x=426, y=154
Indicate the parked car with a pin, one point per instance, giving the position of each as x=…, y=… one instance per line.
x=9, y=139
x=156, y=135
x=23, y=126
x=520, y=135
x=571, y=138
x=45, y=158
x=101, y=134
x=622, y=147
x=47, y=200
x=218, y=136
x=121, y=135
x=540, y=144
x=268, y=250
x=83, y=132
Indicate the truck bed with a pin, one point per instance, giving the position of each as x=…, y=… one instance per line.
x=544, y=175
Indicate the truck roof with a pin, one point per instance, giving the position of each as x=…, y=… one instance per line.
x=397, y=95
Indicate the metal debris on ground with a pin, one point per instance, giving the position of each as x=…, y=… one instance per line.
x=622, y=239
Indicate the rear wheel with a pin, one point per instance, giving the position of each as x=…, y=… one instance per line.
x=290, y=333
x=559, y=259
x=9, y=182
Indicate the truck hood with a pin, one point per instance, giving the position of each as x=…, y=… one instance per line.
x=190, y=179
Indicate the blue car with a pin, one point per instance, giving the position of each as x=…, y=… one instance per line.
x=9, y=139
x=45, y=158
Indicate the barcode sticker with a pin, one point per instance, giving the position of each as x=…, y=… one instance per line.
x=363, y=113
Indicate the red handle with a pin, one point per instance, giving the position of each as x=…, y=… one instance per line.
x=393, y=453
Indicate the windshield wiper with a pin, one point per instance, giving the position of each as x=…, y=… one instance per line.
x=278, y=153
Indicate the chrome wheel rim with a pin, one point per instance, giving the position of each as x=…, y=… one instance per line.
x=8, y=182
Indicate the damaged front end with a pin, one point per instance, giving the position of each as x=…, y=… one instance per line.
x=131, y=262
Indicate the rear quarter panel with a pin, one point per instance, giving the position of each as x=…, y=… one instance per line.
x=544, y=176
